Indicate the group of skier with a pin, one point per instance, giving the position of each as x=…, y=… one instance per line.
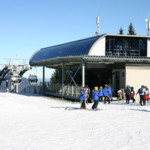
x=97, y=95
x=143, y=92
x=105, y=95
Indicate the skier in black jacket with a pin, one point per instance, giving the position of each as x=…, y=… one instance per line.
x=128, y=94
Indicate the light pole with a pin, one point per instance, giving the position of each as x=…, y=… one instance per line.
x=147, y=27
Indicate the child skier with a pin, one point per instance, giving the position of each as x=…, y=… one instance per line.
x=146, y=96
x=110, y=90
x=82, y=98
x=101, y=94
x=96, y=98
x=106, y=94
x=128, y=94
x=132, y=94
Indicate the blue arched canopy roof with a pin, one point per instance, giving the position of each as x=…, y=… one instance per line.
x=76, y=48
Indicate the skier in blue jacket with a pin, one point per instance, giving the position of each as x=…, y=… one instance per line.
x=96, y=98
x=110, y=90
x=82, y=98
x=101, y=94
x=106, y=94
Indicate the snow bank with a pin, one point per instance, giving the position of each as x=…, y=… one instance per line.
x=34, y=122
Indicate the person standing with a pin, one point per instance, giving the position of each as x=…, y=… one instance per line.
x=132, y=94
x=82, y=98
x=146, y=96
x=86, y=95
x=121, y=94
x=96, y=98
x=142, y=92
x=90, y=96
x=110, y=90
x=106, y=94
x=101, y=94
x=128, y=94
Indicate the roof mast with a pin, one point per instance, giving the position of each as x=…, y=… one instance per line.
x=97, y=24
x=147, y=26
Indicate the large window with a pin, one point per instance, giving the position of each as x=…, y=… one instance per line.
x=126, y=46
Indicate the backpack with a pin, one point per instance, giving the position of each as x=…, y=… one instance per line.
x=140, y=91
x=131, y=94
x=128, y=92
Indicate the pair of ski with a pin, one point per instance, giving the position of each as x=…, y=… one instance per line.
x=75, y=108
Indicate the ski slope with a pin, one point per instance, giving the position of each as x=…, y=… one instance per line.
x=34, y=122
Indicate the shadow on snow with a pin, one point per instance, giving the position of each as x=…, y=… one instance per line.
x=144, y=110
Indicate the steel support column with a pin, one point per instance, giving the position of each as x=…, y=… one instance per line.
x=83, y=74
x=62, y=80
x=43, y=79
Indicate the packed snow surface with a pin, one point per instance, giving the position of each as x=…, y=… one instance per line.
x=34, y=122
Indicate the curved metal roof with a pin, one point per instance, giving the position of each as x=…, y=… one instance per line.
x=75, y=51
x=76, y=48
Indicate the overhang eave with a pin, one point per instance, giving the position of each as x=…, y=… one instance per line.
x=116, y=59
x=72, y=60
x=58, y=60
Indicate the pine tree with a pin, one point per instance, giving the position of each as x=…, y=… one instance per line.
x=131, y=30
x=121, y=31
x=55, y=77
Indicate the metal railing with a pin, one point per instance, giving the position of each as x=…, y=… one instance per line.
x=65, y=90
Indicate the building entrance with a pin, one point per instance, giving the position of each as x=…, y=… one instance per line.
x=98, y=77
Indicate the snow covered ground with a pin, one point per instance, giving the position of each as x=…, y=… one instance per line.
x=34, y=122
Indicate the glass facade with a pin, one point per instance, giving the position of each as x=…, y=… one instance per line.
x=126, y=46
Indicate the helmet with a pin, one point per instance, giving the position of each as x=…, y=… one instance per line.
x=96, y=88
x=142, y=86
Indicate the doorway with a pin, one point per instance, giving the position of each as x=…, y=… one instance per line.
x=98, y=77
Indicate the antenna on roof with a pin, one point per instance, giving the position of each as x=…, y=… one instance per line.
x=147, y=26
x=97, y=24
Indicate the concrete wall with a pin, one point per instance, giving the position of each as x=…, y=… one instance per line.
x=148, y=47
x=98, y=48
x=137, y=76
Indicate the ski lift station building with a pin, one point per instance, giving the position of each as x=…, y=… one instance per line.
x=119, y=60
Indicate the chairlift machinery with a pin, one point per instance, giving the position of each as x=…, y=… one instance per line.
x=15, y=78
x=13, y=72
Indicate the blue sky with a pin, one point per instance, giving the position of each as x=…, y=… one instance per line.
x=28, y=25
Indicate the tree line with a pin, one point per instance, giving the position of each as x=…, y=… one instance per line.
x=131, y=30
